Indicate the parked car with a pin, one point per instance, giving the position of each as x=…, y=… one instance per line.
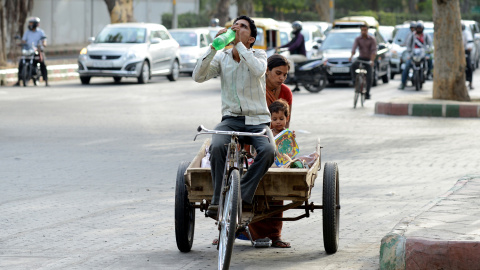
x=285, y=29
x=138, y=50
x=193, y=44
x=324, y=26
x=336, y=50
x=313, y=36
x=386, y=32
x=474, y=29
x=213, y=30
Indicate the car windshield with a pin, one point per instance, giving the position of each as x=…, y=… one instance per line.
x=305, y=34
x=340, y=40
x=401, y=36
x=184, y=38
x=121, y=35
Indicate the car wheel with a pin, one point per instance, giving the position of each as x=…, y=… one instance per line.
x=144, y=73
x=174, y=71
x=85, y=79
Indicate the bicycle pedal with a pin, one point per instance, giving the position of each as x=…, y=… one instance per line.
x=262, y=243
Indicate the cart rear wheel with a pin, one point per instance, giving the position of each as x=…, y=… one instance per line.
x=228, y=225
x=184, y=212
x=331, y=207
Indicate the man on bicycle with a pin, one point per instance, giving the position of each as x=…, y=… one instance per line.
x=367, y=48
x=34, y=36
x=244, y=106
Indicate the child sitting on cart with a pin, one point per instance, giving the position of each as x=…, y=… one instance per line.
x=272, y=229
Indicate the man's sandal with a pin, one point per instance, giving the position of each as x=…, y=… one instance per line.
x=280, y=244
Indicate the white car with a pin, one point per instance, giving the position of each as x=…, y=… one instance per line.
x=139, y=50
x=313, y=36
x=194, y=43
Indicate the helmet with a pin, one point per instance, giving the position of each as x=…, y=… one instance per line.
x=420, y=24
x=214, y=22
x=297, y=26
x=413, y=24
x=34, y=20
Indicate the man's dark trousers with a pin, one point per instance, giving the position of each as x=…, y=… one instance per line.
x=218, y=150
x=369, y=73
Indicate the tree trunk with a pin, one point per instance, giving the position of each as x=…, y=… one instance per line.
x=374, y=5
x=465, y=6
x=246, y=7
x=449, y=72
x=223, y=7
x=121, y=11
x=15, y=14
x=3, y=42
x=323, y=9
x=412, y=6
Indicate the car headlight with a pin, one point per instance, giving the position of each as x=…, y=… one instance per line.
x=83, y=51
x=131, y=55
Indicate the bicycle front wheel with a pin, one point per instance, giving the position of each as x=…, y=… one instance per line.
x=228, y=225
x=358, y=90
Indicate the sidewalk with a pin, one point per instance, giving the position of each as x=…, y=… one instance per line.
x=419, y=104
x=61, y=65
x=445, y=234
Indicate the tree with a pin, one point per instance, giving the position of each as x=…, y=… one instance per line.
x=449, y=72
x=120, y=10
x=13, y=17
x=223, y=7
x=3, y=50
x=323, y=9
x=246, y=7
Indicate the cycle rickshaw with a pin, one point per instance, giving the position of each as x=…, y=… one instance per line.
x=292, y=185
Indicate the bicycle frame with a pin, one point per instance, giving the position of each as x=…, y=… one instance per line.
x=234, y=159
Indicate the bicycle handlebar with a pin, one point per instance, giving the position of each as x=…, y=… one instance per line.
x=204, y=131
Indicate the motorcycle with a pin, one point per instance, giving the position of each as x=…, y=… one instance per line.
x=311, y=74
x=417, y=74
x=31, y=58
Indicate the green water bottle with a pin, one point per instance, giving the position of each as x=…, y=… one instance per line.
x=224, y=39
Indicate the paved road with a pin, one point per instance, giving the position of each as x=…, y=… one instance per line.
x=88, y=174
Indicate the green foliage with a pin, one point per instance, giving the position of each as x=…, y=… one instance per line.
x=186, y=20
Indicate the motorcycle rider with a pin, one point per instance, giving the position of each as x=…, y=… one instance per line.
x=413, y=26
x=34, y=35
x=297, y=50
x=418, y=40
x=467, y=44
x=367, y=49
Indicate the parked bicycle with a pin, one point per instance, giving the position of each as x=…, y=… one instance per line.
x=360, y=82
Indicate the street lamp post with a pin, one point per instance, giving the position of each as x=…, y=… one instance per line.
x=174, y=13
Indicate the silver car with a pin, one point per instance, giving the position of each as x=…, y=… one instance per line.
x=194, y=44
x=139, y=50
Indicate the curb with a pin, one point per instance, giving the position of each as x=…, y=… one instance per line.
x=8, y=77
x=398, y=251
x=424, y=109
